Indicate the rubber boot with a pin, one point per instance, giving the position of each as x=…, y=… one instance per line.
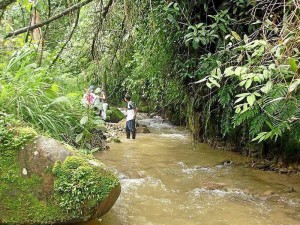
x=133, y=134
x=128, y=134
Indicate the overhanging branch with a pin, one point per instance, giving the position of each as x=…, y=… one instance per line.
x=51, y=19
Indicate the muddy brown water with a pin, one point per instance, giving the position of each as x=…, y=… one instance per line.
x=167, y=181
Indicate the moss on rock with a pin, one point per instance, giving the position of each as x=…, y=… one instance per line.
x=71, y=189
x=17, y=200
x=114, y=115
x=81, y=184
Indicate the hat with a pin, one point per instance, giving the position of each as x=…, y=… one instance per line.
x=91, y=88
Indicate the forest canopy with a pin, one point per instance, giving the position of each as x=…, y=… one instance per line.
x=228, y=69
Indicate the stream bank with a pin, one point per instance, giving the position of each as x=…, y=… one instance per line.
x=252, y=157
x=166, y=179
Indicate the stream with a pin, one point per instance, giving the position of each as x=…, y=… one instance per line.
x=166, y=179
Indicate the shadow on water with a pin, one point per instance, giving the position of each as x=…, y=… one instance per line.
x=166, y=181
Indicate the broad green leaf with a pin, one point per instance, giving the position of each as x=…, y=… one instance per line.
x=196, y=43
x=213, y=81
x=246, y=38
x=84, y=120
x=79, y=137
x=240, y=70
x=202, y=80
x=208, y=84
x=248, y=83
x=294, y=85
x=267, y=135
x=251, y=99
x=229, y=71
x=235, y=35
x=257, y=22
x=216, y=73
x=257, y=79
x=269, y=124
x=94, y=150
x=98, y=122
x=171, y=18
x=243, y=95
x=260, y=135
x=269, y=22
x=257, y=94
x=278, y=53
x=245, y=108
x=55, y=87
x=242, y=83
x=239, y=99
x=266, y=74
x=272, y=66
x=62, y=99
x=265, y=89
x=240, y=58
x=238, y=110
x=293, y=64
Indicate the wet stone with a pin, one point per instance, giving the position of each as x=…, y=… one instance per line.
x=268, y=193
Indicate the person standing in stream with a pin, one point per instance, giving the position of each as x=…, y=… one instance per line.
x=130, y=118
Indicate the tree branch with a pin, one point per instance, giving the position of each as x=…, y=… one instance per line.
x=69, y=38
x=30, y=28
x=99, y=26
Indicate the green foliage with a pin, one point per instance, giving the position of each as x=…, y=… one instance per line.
x=13, y=134
x=114, y=115
x=38, y=98
x=88, y=124
x=79, y=184
x=228, y=65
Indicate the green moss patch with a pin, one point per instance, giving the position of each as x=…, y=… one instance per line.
x=76, y=187
x=80, y=186
x=17, y=200
x=114, y=115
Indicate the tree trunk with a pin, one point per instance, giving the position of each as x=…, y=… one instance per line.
x=35, y=19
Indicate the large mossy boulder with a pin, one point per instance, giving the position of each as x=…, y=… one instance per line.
x=45, y=182
x=114, y=115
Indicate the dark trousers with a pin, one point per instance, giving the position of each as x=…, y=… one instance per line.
x=130, y=128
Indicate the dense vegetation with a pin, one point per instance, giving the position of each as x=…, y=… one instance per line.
x=228, y=69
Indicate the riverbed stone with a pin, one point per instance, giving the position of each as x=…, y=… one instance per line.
x=214, y=186
x=143, y=130
x=51, y=183
x=268, y=193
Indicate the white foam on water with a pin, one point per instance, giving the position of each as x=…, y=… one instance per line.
x=197, y=169
x=122, y=176
x=155, y=183
x=134, y=184
x=291, y=202
x=129, y=184
x=156, y=123
x=218, y=192
x=182, y=164
x=173, y=136
x=235, y=194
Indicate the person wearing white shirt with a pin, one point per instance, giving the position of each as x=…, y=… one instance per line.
x=130, y=118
